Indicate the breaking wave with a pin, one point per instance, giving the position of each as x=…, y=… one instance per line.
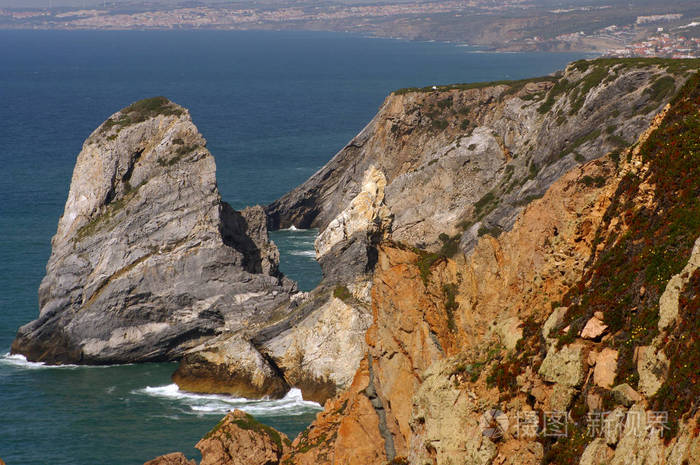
x=289, y=405
x=20, y=361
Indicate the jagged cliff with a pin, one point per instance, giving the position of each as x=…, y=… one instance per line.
x=437, y=169
x=571, y=338
x=147, y=261
x=588, y=306
x=466, y=158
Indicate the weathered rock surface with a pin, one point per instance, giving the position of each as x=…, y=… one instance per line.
x=438, y=360
x=176, y=458
x=321, y=354
x=652, y=366
x=606, y=368
x=239, y=439
x=565, y=366
x=458, y=345
x=473, y=155
x=230, y=365
x=460, y=161
x=147, y=261
x=668, y=303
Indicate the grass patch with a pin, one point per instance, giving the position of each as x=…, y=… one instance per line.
x=426, y=260
x=140, y=111
x=485, y=204
x=514, y=86
x=661, y=88
x=589, y=181
x=342, y=293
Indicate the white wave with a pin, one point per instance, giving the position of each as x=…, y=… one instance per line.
x=20, y=361
x=291, y=404
x=304, y=253
x=293, y=228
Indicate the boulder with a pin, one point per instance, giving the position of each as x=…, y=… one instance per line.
x=593, y=329
x=605, y=370
x=230, y=365
x=625, y=395
x=239, y=439
x=564, y=366
x=652, y=366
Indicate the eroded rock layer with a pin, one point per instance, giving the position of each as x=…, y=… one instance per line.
x=464, y=159
x=586, y=309
x=147, y=261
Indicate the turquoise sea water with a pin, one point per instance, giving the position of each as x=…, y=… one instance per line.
x=274, y=106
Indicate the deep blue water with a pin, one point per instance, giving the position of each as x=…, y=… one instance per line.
x=274, y=106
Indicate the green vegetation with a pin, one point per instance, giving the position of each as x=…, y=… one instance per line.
x=579, y=141
x=606, y=69
x=655, y=244
x=180, y=153
x=493, y=231
x=588, y=181
x=661, y=88
x=426, y=260
x=472, y=369
x=505, y=371
x=142, y=110
x=445, y=103
x=560, y=87
x=591, y=80
x=485, y=204
x=449, y=292
x=342, y=293
x=440, y=124
x=618, y=141
x=515, y=86
x=567, y=450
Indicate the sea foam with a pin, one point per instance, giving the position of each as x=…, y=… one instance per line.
x=304, y=253
x=20, y=361
x=290, y=404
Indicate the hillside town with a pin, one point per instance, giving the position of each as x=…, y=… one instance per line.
x=647, y=32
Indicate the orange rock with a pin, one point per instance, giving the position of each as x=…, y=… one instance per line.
x=605, y=368
x=175, y=458
x=594, y=329
x=239, y=439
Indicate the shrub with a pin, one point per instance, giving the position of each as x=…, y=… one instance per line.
x=343, y=293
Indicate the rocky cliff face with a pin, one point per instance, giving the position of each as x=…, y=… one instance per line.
x=147, y=261
x=466, y=158
x=437, y=169
x=572, y=338
x=585, y=309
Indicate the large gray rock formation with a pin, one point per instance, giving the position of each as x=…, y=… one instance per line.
x=465, y=159
x=147, y=261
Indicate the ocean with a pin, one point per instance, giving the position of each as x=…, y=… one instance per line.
x=274, y=107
